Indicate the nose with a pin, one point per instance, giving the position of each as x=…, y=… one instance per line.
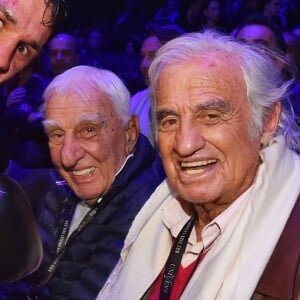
x=188, y=138
x=59, y=55
x=71, y=151
x=7, y=51
x=145, y=62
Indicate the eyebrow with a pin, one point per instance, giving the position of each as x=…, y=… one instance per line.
x=49, y=123
x=213, y=104
x=216, y=103
x=163, y=113
x=9, y=16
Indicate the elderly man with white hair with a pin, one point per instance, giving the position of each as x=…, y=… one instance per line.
x=224, y=224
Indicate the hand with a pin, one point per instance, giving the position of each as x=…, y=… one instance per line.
x=16, y=96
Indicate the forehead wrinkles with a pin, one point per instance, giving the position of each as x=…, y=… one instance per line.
x=208, y=74
x=222, y=86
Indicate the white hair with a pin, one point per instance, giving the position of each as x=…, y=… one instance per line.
x=81, y=79
x=264, y=83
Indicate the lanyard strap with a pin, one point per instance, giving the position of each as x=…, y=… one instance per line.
x=63, y=239
x=174, y=259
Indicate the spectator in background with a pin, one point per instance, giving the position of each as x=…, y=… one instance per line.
x=293, y=54
x=140, y=102
x=212, y=15
x=259, y=29
x=290, y=12
x=271, y=9
x=97, y=51
x=63, y=53
x=292, y=41
x=228, y=213
x=191, y=14
x=27, y=143
x=110, y=170
x=207, y=14
x=241, y=9
x=131, y=19
x=169, y=13
x=129, y=65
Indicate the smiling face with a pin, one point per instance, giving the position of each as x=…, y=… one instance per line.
x=21, y=34
x=203, y=130
x=88, y=142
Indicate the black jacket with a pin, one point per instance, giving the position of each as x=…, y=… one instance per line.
x=90, y=257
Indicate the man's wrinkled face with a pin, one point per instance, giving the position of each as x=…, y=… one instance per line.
x=87, y=140
x=203, y=121
x=22, y=35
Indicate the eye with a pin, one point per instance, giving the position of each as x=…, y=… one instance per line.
x=88, y=131
x=210, y=117
x=168, y=124
x=23, y=49
x=55, y=138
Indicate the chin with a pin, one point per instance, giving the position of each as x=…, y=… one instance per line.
x=90, y=202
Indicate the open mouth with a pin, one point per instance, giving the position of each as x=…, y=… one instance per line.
x=196, y=167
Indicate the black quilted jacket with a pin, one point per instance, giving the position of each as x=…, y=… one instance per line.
x=91, y=256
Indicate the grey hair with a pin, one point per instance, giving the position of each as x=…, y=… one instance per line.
x=81, y=79
x=264, y=83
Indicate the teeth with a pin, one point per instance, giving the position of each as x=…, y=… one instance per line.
x=84, y=172
x=197, y=163
x=194, y=171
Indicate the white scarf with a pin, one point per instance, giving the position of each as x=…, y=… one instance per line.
x=234, y=264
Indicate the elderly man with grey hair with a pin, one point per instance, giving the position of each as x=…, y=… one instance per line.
x=224, y=224
x=104, y=172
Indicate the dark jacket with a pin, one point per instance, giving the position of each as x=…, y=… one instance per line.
x=281, y=277
x=90, y=257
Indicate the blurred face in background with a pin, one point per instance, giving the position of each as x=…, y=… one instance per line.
x=272, y=8
x=259, y=34
x=148, y=50
x=22, y=34
x=63, y=53
x=213, y=11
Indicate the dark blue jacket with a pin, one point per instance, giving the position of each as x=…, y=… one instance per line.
x=90, y=257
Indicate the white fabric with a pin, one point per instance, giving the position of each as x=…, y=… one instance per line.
x=140, y=105
x=174, y=218
x=235, y=262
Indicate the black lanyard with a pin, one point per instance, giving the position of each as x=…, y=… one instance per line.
x=63, y=239
x=174, y=259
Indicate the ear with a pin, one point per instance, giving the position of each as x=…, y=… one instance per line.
x=271, y=124
x=132, y=133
